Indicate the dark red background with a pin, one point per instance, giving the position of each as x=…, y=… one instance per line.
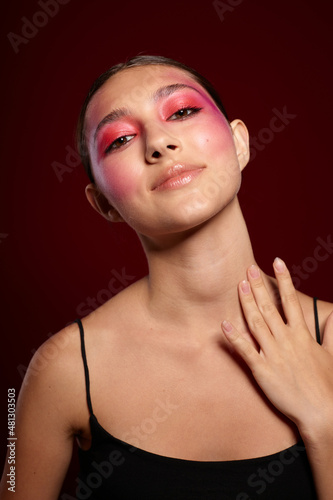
x=54, y=250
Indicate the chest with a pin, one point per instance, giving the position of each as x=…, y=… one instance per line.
x=194, y=405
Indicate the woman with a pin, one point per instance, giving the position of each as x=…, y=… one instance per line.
x=163, y=401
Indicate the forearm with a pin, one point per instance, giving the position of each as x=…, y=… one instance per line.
x=320, y=455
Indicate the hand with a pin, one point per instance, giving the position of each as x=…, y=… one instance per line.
x=293, y=370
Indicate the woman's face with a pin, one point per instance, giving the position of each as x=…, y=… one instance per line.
x=162, y=153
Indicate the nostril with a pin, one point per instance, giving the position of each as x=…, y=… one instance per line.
x=156, y=154
x=171, y=146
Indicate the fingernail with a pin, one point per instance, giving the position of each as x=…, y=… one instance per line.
x=226, y=326
x=279, y=265
x=245, y=286
x=254, y=271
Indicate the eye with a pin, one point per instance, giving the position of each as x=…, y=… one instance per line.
x=118, y=143
x=184, y=113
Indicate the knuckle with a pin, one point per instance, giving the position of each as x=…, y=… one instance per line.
x=290, y=298
x=257, y=284
x=257, y=321
x=248, y=299
x=247, y=349
x=267, y=308
x=285, y=277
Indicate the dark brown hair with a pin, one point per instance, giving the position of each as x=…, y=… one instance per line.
x=143, y=60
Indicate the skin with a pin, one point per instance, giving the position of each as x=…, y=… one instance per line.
x=226, y=387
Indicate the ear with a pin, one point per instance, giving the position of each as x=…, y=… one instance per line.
x=241, y=139
x=101, y=204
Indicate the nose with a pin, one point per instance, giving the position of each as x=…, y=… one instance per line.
x=160, y=143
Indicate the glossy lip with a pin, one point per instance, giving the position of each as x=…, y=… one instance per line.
x=181, y=173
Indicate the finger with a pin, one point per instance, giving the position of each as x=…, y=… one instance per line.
x=289, y=298
x=263, y=300
x=246, y=350
x=255, y=320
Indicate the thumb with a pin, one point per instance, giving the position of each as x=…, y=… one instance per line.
x=328, y=334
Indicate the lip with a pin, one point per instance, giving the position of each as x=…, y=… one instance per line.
x=176, y=176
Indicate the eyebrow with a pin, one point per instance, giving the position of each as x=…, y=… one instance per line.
x=171, y=89
x=160, y=93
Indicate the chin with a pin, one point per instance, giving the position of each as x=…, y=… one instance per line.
x=187, y=221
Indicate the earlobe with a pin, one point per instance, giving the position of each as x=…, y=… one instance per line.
x=241, y=138
x=100, y=203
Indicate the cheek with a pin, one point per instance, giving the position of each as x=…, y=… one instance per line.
x=215, y=138
x=118, y=182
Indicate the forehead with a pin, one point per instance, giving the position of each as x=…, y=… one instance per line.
x=133, y=87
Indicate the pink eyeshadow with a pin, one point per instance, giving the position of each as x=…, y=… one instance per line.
x=180, y=101
x=109, y=135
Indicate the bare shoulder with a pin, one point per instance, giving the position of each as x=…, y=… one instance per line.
x=57, y=354
x=56, y=373
x=55, y=351
x=49, y=407
x=60, y=357
x=52, y=405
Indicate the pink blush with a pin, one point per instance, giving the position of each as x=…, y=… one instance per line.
x=208, y=130
x=118, y=181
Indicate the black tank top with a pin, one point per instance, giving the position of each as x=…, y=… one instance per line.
x=114, y=469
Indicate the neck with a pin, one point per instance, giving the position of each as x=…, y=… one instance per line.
x=193, y=278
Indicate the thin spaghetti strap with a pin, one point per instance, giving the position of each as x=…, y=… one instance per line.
x=86, y=371
x=316, y=319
